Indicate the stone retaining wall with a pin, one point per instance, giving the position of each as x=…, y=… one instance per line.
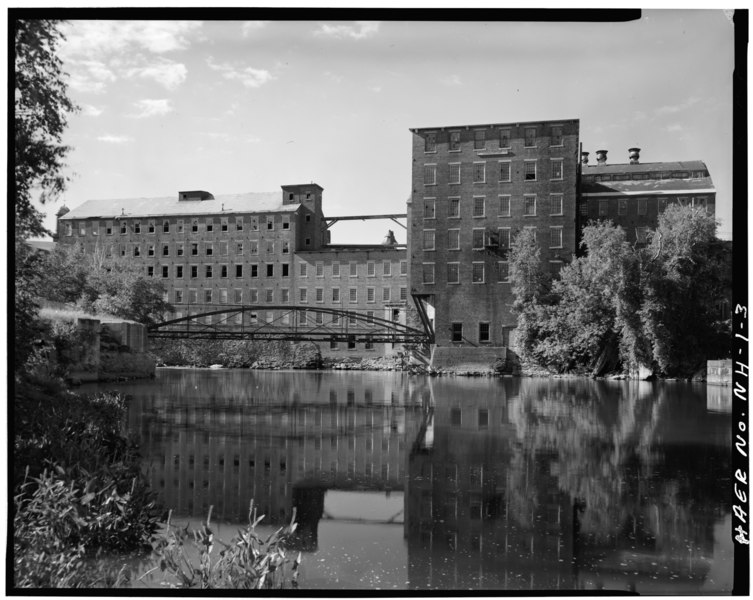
x=470, y=359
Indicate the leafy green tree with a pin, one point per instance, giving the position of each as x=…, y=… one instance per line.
x=42, y=107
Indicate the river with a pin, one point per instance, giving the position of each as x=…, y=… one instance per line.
x=418, y=483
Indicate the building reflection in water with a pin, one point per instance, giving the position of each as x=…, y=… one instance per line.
x=512, y=484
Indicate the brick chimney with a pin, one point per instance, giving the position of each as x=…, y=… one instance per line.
x=601, y=157
x=634, y=154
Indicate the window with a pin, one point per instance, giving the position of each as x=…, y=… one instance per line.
x=454, y=141
x=253, y=299
x=555, y=237
x=353, y=269
x=284, y=295
x=403, y=267
x=479, y=139
x=478, y=239
x=371, y=269
x=453, y=272
x=428, y=239
x=254, y=223
x=529, y=206
x=483, y=338
x=136, y=227
x=223, y=296
x=504, y=138
x=504, y=171
x=478, y=272
x=208, y=271
x=504, y=206
x=479, y=172
x=530, y=170
x=353, y=295
x=193, y=296
x=403, y=293
x=179, y=272
x=239, y=248
x=269, y=296
x=254, y=270
x=194, y=225
x=430, y=174
x=123, y=227
x=385, y=294
x=319, y=294
x=622, y=206
x=662, y=204
x=239, y=223
x=556, y=169
x=270, y=247
x=208, y=249
x=224, y=248
x=238, y=271
x=335, y=269
x=165, y=226
x=456, y=335
x=208, y=296
x=641, y=235
x=253, y=247
x=642, y=206
x=555, y=266
x=137, y=250
x=453, y=239
x=556, y=135
x=503, y=272
x=370, y=295
x=286, y=224
x=194, y=271
x=238, y=296
x=270, y=270
x=209, y=224
x=428, y=273
x=701, y=202
x=430, y=142
x=479, y=206
x=285, y=270
x=108, y=228
x=165, y=250
x=270, y=223
x=386, y=268
x=303, y=295
x=454, y=173
x=302, y=269
x=583, y=208
x=555, y=204
x=150, y=271
x=179, y=250
x=453, y=208
x=603, y=208
x=530, y=137
x=150, y=250
x=430, y=209
x=319, y=269
x=504, y=237
x=335, y=294
x=285, y=247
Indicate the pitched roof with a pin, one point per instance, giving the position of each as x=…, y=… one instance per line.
x=170, y=206
x=649, y=186
x=610, y=169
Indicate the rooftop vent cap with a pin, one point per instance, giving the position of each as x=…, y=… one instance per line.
x=601, y=157
x=64, y=210
x=584, y=157
x=634, y=154
x=389, y=239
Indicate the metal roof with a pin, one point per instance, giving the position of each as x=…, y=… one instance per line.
x=252, y=202
x=610, y=169
x=649, y=186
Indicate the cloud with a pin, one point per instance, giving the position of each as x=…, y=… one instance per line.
x=152, y=108
x=115, y=139
x=91, y=111
x=90, y=76
x=675, y=108
x=361, y=30
x=250, y=27
x=451, y=80
x=674, y=128
x=165, y=72
x=248, y=76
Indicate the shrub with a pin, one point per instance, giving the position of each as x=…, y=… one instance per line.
x=248, y=562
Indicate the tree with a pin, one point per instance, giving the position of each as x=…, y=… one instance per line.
x=42, y=106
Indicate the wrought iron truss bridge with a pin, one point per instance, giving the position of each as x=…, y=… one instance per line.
x=292, y=323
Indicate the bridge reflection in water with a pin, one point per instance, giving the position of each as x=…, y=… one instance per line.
x=506, y=484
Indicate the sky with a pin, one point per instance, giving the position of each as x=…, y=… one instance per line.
x=232, y=107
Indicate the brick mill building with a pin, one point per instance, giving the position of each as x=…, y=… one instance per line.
x=247, y=249
x=473, y=188
x=633, y=194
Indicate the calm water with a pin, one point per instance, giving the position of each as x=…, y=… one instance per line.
x=453, y=483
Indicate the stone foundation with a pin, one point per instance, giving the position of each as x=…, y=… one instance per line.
x=468, y=360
